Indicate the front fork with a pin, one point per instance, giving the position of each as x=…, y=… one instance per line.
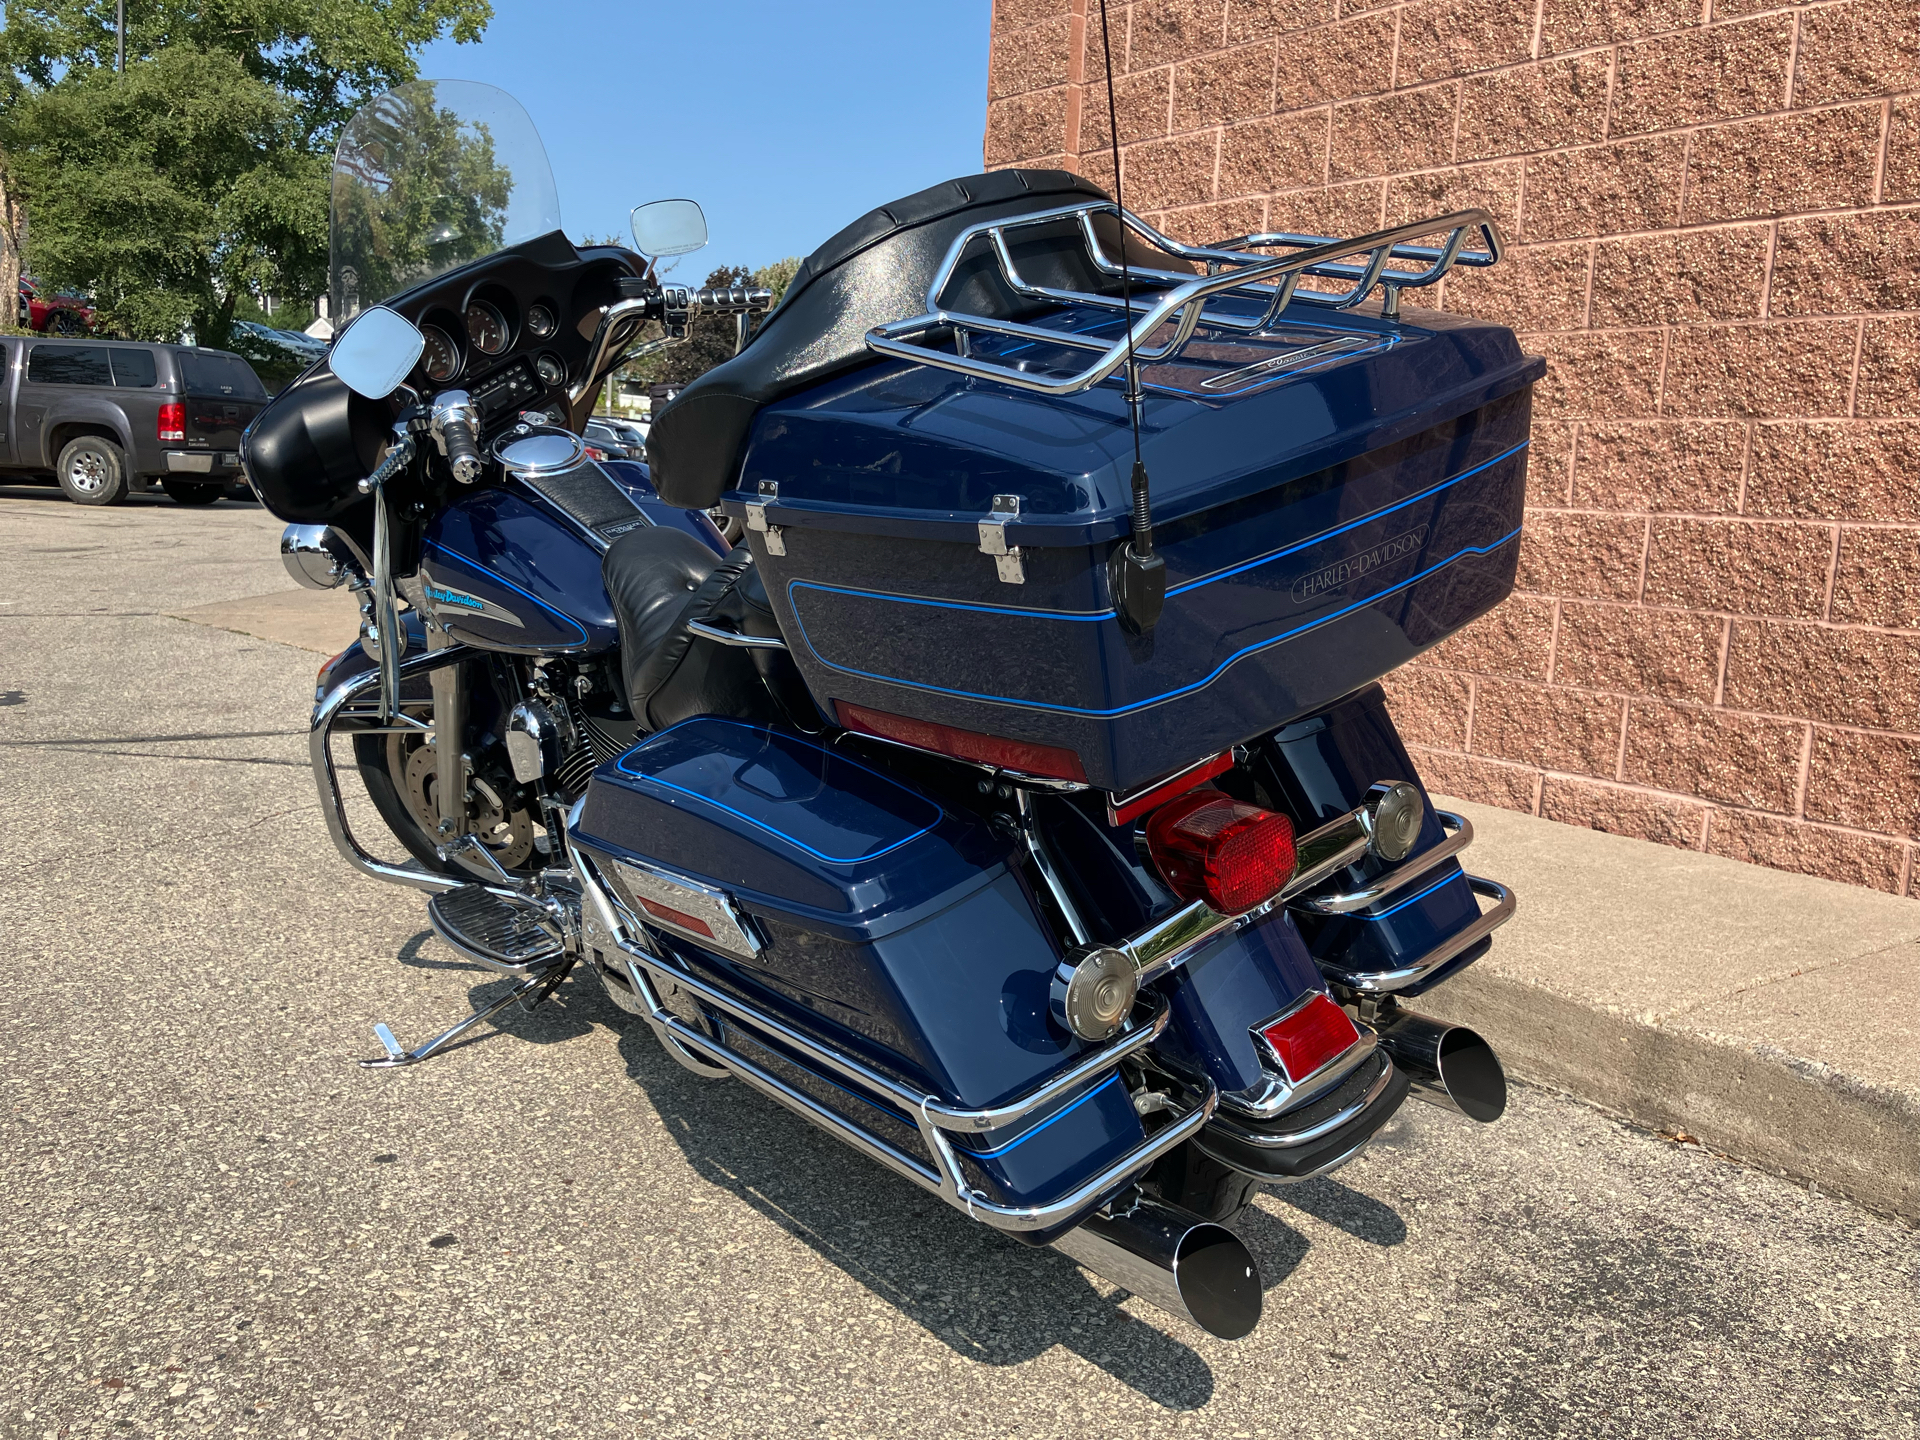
x=449, y=731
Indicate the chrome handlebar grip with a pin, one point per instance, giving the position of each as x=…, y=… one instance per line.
x=399, y=455
x=735, y=300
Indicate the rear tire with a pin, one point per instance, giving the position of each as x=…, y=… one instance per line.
x=92, y=470
x=65, y=322
x=194, y=492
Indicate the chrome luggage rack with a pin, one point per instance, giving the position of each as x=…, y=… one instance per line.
x=1390, y=262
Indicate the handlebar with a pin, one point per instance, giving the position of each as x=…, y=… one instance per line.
x=453, y=426
x=399, y=455
x=733, y=300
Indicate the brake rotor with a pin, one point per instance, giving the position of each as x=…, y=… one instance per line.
x=507, y=834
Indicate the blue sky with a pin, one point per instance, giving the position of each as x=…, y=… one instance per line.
x=784, y=121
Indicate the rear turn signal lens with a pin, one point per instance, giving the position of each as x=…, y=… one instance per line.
x=1313, y=1036
x=1209, y=846
x=173, y=421
x=1048, y=761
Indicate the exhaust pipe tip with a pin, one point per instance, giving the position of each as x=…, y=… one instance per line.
x=1219, y=1281
x=1187, y=1266
x=1450, y=1066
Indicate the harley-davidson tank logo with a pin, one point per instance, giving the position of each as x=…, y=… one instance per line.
x=1342, y=573
x=439, y=596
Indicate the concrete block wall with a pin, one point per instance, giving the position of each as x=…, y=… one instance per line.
x=1714, y=210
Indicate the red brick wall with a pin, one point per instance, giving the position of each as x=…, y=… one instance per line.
x=1714, y=215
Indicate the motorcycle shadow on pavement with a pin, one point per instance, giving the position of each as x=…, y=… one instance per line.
x=987, y=1297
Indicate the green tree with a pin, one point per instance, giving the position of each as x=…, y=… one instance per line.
x=710, y=338
x=201, y=173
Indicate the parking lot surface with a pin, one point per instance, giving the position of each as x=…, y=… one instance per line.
x=217, y=1224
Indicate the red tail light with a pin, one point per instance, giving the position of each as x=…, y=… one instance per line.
x=173, y=421
x=594, y=452
x=1211, y=847
x=1049, y=761
x=1318, y=1032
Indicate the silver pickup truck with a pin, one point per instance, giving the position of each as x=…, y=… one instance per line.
x=107, y=416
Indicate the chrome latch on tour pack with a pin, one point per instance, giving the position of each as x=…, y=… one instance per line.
x=993, y=540
x=757, y=518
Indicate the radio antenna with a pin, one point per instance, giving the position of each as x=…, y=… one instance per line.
x=1137, y=576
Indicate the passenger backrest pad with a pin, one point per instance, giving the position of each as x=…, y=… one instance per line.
x=874, y=272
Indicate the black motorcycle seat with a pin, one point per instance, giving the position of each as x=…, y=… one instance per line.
x=875, y=272
x=660, y=579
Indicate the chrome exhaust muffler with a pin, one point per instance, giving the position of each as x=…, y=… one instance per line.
x=1187, y=1266
x=1450, y=1065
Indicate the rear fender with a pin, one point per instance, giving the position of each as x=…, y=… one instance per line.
x=1219, y=997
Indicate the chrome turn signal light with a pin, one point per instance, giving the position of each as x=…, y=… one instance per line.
x=1393, y=814
x=1093, y=991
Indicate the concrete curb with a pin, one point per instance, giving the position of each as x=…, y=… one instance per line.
x=1768, y=1015
x=1755, y=1102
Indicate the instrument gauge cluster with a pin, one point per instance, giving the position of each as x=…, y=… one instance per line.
x=440, y=356
x=486, y=327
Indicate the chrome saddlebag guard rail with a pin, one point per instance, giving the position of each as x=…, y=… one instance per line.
x=934, y=1119
x=335, y=706
x=1170, y=943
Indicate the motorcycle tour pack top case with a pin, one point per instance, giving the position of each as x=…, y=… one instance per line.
x=962, y=729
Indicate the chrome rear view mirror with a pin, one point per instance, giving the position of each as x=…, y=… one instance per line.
x=668, y=227
x=376, y=352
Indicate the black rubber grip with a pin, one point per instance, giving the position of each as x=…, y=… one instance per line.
x=463, y=455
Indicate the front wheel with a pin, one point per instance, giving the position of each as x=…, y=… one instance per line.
x=65, y=322
x=402, y=780
x=93, y=471
x=194, y=492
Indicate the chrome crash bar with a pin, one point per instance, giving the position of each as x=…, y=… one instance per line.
x=1270, y=280
x=1170, y=943
x=935, y=1119
x=334, y=707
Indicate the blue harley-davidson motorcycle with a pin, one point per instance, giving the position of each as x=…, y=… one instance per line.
x=1016, y=803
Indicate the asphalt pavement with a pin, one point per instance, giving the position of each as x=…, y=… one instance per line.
x=217, y=1224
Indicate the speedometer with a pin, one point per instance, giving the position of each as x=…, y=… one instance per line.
x=486, y=328
x=441, y=356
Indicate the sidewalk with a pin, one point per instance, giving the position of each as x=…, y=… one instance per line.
x=1772, y=1016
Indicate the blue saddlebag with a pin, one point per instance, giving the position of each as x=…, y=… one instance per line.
x=874, y=922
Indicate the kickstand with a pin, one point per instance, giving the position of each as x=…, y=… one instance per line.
x=529, y=992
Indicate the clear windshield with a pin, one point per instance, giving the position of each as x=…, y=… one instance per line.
x=430, y=176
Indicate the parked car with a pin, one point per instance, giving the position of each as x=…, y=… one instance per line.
x=51, y=313
x=278, y=357
x=604, y=442
x=106, y=415
x=295, y=344
x=630, y=433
